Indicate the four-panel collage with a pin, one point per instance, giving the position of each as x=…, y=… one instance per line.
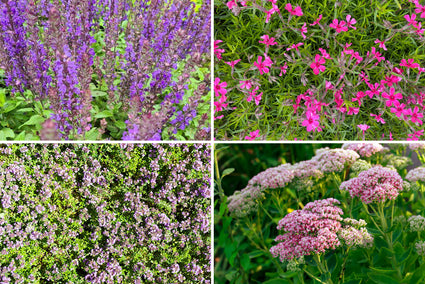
x=199, y=141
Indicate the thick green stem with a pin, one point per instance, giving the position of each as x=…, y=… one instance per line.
x=322, y=268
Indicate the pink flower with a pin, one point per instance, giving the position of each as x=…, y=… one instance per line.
x=324, y=53
x=268, y=40
x=411, y=19
x=353, y=110
x=398, y=109
x=232, y=63
x=409, y=63
x=304, y=30
x=316, y=22
x=262, y=65
x=252, y=135
x=252, y=94
x=283, y=69
x=217, y=51
x=245, y=84
x=392, y=98
x=415, y=115
x=363, y=127
x=220, y=104
x=351, y=22
x=219, y=88
x=297, y=11
x=381, y=44
x=339, y=26
x=420, y=9
x=378, y=118
x=312, y=121
x=295, y=46
x=231, y=4
x=317, y=66
x=375, y=90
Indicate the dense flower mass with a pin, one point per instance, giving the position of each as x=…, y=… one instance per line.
x=416, y=174
x=377, y=184
x=105, y=213
x=416, y=223
x=334, y=160
x=119, y=69
x=364, y=149
x=316, y=228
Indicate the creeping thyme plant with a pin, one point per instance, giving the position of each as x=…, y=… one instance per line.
x=342, y=215
x=104, y=69
x=319, y=70
x=105, y=213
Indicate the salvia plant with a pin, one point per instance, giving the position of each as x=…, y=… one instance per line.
x=319, y=70
x=105, y=213
x=104, y=69
x=347, y=215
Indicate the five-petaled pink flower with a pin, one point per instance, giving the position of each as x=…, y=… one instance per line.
x=317, y=64
x=381, y=44
x=316, y=22
x=363, y=127
x=262, y=65
x=415, y=115
x=350, y=22
x=219, y=88
x=297, y=11
x=312, y=121
x=232, y=63
x=391, y=97
x=339, y=26
x=378, y=118
x=420, y=9
x=411, y=19
x=267, y=40
x=252, y=135
x=245, y=84
x=409, y=63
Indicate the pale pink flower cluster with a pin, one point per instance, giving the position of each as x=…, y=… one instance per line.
x=317, y=228
x=354, y=233
x=417, y=146
x=364, y=149
x=374, y=185
x=309, y=231
x=243, y=202
x=416, y=223
x=276, y=177
x=417, y=174
x=334, y=160
x=306, y=169
x=420, y=247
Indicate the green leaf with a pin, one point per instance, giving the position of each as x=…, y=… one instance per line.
x=245, y=262
x=92, y=134
x=2, y=97
x=34, y=120
x=382, y=278
x=98, y=94
x=6, y=133
x=227, y=172
x=103, y=114
x=20, y=137
x=276, y=281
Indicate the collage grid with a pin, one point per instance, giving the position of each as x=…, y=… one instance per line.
x=212, y=141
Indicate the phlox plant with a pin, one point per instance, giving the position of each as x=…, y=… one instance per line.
x=104, y=69
x=105, y=213
x=353, y=214
x=319, y=70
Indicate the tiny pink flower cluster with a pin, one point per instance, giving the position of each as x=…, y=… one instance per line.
x=416, y=174
x=416, y=223
x=417, y=146
x=334, y=160
x=378, y=184
x=364, y=149
x=316, y=228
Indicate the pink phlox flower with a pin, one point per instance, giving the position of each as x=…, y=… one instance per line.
x=378, y=118
x=409, y=63
x=317, y=66
x=375, y=90
x=295, y=46
x=257, y=98
x=420, y=9
x=311, y=121
x=262, y=65
x=232, y=4
x=328, y=85
x=245, y=84
x=217, y=51
x=353, y=110
x=398, y=109
x=381, y=44
x=304, y=30
x=339, y=26
x=391, y=97
x=364, y=77
x=415, y=136
x=359, y=97
x=267, y=40
x=252, y=94
x=411, y=19
x=419, y=29
x=232, y=63
x=415, y=115
x=283, y=69
x=270, y=12
x=350, y=22
x=252, y=135
x=376, y=54
x=324, y=53
x=220, y=104
x=357, y=56
x=363, y=127
x=316, y=22
x=297, y=11
x=338, y=100
x=390, y=80
x=398, y=70
x=219, y=88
